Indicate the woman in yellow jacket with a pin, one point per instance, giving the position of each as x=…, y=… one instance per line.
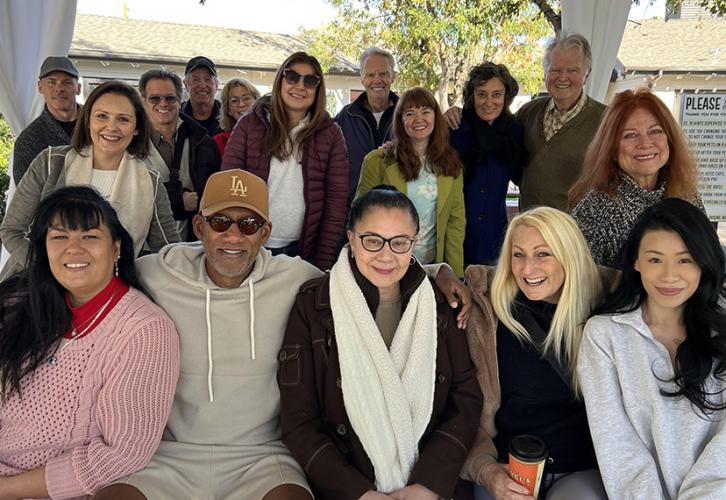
x=422, y=165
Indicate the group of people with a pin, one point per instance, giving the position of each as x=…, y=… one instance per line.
x=139, y=363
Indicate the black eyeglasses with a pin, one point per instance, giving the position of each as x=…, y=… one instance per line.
x=292, y=77
x=222, y=223
x=156, y=99
x=374, y=242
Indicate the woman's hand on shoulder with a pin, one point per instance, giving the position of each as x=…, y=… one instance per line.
x=495, y=477
x=374, y=495
x=414, y=492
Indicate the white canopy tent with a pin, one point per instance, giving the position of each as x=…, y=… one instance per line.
x=31, y=30
x=603, y=24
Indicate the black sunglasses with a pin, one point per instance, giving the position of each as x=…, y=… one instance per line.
x=247, y=226
x=292, y=77
x=156, y=99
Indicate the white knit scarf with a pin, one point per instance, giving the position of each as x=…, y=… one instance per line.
x=132, y=194
x=388, y=395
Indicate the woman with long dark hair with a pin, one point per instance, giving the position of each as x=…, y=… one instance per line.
x=653, y=361
x=291, y=142
x=109, y=151
x=88, y=364
x=422, y=165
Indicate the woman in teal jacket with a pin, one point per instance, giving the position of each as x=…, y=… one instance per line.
x=422, y=165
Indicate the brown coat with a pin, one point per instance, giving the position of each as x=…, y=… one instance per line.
x=315, y=425
x=481, y=333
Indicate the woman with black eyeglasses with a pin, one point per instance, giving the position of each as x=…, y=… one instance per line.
x=379, y=397
x=289, y=140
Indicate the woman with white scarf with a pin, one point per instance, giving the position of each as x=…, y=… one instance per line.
x=109, y=151
x=379, y=396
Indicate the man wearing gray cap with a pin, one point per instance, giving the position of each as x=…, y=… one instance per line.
x=201, y=82
x=58, y=83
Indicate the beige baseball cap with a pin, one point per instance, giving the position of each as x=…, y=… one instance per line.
x=235, y=188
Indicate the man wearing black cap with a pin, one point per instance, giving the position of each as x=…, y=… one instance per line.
x=58, y=83
x=201, y=82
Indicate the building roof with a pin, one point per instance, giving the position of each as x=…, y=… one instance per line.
x=116, y=38
x=675, y=45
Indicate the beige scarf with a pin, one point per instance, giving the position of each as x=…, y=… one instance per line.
x=132, y=194
x=388, y=395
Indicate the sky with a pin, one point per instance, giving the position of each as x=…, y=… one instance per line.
x=280, y=16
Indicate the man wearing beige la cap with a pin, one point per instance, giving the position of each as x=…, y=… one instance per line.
x=230, y=300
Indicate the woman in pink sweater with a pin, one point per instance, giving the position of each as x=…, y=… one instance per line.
x=88, y=364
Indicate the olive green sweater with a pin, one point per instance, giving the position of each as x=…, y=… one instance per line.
x=554, y=165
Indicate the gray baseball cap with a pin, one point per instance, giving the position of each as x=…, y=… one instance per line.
x=56, y=63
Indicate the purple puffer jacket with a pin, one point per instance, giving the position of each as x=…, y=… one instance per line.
x=325, y=178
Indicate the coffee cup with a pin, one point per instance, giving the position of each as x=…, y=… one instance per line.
x=527, y=457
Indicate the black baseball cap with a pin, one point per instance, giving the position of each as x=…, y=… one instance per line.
x=200, y=62
x=58, y=63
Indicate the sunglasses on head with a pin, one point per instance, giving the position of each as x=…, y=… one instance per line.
x=247, y=226
x=156, y=99
x=293, y=77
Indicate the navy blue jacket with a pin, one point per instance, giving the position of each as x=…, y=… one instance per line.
x=362, y=135
x=485, y=193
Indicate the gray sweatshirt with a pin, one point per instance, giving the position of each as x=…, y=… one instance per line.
x=648, y=445
x=230, y=339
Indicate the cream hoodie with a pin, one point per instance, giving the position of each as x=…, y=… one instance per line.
x=230, y=338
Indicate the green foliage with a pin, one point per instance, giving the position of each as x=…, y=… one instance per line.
x=435, y=42
x=6, y=145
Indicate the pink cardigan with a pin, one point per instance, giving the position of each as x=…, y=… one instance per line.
x=99, y=413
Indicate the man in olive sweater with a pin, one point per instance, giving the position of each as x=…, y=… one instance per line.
x=557, y=128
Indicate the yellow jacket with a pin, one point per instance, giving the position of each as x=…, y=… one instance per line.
x=450, y=215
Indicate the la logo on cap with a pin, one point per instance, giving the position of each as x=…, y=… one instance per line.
x=238, y=188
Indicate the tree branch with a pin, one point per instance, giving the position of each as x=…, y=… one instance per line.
x=552, y=17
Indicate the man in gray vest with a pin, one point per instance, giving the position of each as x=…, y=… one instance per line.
x=58, y=83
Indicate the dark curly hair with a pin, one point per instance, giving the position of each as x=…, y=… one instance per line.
x=482, y=73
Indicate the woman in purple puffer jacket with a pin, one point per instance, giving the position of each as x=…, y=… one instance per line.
x=290, y=141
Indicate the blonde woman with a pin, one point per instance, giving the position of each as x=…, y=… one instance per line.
x=238, y=96
x=524, y=334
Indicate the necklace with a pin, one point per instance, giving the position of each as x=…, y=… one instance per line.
x=75, y=334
